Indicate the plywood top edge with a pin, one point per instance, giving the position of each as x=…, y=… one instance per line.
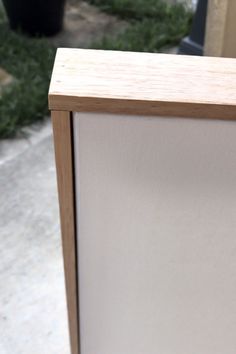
x=87, y=79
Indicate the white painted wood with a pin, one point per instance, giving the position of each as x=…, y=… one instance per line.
x=156, y=205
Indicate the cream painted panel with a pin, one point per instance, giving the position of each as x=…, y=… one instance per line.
x=156, y=208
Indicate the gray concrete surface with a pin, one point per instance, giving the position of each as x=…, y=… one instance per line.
x=84, y=23
x=33, y=317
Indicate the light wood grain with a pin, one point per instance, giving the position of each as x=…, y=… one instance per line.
x=221, y=29
x=143, y=83
x=215, y=27
x=64, y=164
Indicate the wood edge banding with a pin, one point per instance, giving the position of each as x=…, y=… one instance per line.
x=148, y=84
x=144, y=108
x=63, y=140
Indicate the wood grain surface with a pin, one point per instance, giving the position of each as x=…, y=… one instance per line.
x=64, y=164
x=220, y=29
x=143, y=83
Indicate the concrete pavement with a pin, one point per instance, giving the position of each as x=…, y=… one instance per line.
x=33, y=317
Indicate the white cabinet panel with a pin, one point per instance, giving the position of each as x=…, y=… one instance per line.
x=156, y=219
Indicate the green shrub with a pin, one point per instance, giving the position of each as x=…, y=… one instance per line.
x=30, y=61
x=153, y=24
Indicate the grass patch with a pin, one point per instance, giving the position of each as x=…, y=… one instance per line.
x=132, y=9
x=30, y=61
x=153, y=24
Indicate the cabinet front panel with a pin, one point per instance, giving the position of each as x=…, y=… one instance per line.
x=156, y=234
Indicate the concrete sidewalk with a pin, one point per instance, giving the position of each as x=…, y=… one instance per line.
x=33, y=317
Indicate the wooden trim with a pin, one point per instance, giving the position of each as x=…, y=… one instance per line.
x=221, y=29
x=148, y=108
x=143, y=83
x=215, y=27
x=62, y=126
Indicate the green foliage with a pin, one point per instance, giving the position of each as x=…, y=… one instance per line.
x=153, y=24
x=132, y=9
x=30, y=61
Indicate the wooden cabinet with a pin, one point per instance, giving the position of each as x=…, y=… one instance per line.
x=145, y=152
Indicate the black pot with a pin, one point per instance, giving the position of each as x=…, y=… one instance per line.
x=35, y=17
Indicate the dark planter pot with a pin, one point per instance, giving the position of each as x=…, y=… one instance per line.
x=35, y=17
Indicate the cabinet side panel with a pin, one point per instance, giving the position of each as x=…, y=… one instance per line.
x=156, y=240
x=63, y=144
